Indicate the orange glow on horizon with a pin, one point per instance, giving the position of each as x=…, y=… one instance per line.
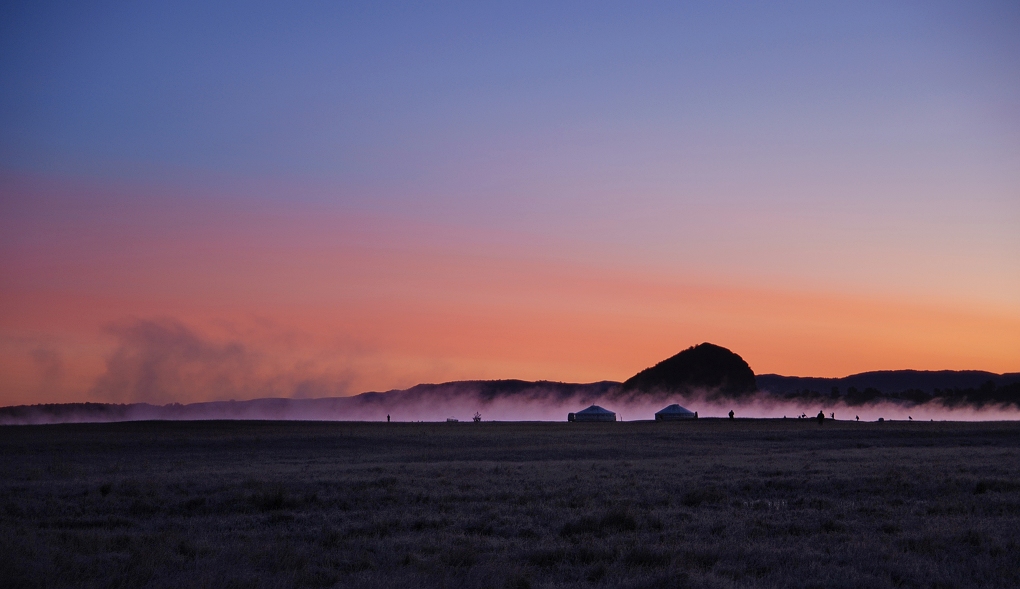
x=384, y=324
x=346, y=303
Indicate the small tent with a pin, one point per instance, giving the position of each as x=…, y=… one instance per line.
x=593, y=413
x=674, y=413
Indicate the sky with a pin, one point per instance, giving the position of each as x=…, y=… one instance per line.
x=215, y=200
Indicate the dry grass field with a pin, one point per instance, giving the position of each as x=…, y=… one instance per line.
x=710, y=503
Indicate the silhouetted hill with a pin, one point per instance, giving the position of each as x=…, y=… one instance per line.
x=705, y=367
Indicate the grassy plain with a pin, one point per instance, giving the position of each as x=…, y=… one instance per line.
x=708, y=503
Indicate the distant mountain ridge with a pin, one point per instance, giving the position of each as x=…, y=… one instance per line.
x=423, y=401
x=952, y=388
x=705, y=371
x=489, y=390
x=891, y=381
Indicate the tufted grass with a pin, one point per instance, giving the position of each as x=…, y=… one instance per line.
x=711, y=503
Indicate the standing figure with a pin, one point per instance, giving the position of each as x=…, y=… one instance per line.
x=731, y=414
x=821, y=417
x=387, y=418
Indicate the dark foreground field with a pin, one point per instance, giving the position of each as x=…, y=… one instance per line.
x=711, y=503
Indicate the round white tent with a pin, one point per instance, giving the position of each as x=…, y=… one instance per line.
x=593, y=413
x=674, y=413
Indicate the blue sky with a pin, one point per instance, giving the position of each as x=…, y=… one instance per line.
x=363, y=93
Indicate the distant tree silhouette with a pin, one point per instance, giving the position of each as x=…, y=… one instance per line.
x=855, y=397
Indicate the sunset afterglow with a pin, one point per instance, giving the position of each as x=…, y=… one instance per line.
x=568, y=193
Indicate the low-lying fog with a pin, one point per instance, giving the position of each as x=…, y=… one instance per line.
x=460, y=402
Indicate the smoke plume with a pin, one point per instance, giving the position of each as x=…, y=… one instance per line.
x=165, y=361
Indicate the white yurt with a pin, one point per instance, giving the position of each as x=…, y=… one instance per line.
x=675, y=413
x=593, y=413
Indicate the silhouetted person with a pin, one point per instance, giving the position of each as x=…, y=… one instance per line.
x=387, y=418
x=821, y=417
x=858, y=418
x=909, y=418
x=731, y=414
